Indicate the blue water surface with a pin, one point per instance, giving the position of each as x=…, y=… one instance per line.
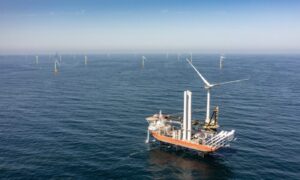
x=88, y=121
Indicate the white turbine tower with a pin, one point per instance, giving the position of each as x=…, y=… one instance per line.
x=208, y=87
x=221, y=61
x=143, y=61
x=56, y=64
x=85, y=60
x=36, y=59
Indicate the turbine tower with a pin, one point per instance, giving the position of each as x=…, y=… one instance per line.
x=36, y=59
x=208, y=86
x=221, y=61
x=56, y=64
x=143, y=61
x=85, y=60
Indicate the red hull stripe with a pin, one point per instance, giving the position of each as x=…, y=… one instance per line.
x=198, y=147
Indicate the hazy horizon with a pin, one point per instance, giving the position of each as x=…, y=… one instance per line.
x=131, y=26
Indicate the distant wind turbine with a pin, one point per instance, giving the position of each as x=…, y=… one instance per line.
x=143, y=61
x=221, y=61
x=85, y=60
x=56, y=64
x=36, y=59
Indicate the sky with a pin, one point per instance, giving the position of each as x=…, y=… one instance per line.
x=72, y=26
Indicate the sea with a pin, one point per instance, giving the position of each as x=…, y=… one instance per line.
x=88, y=121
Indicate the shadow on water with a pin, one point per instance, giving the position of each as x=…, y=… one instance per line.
x=167, y=163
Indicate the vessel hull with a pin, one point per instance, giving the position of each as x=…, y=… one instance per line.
x=186, y=144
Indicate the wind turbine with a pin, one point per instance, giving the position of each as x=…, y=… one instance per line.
x=208, y=87
x=143, y=61
x=221, y=61
x=56, y=64
x=85, y=60
x=36, y=59
x=191, y=57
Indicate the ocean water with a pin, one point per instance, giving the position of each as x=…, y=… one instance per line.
x=88, y=122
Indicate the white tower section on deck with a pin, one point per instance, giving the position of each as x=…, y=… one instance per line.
x=187, y=116
x=207, y=119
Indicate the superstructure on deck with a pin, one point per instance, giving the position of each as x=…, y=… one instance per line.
x=187, y=133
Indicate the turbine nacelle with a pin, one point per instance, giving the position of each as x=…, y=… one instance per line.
x=208, y=87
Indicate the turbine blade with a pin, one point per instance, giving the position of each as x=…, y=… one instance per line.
x=228, y=82
x=200, y=75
